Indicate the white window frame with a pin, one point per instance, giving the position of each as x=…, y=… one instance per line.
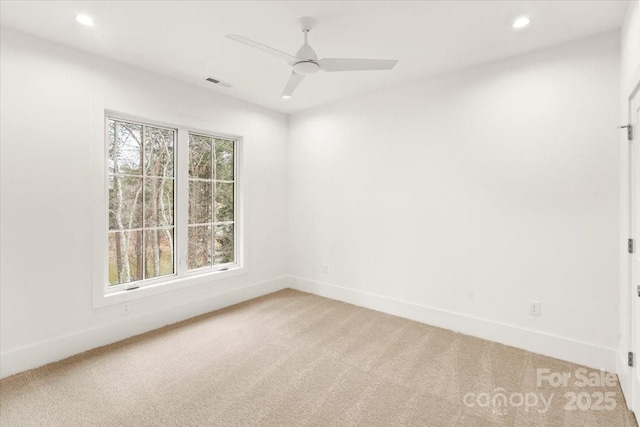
x=104, y=293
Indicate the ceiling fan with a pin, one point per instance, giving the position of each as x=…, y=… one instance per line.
x=306, y=60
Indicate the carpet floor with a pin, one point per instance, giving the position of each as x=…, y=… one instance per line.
x=295, y=359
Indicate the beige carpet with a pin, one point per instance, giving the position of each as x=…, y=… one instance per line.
x=295, y=359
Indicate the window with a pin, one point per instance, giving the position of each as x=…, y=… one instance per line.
x=141, y=202
x=211, y=201
x=172, y=204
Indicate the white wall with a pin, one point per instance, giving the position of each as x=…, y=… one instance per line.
x=458, y=199
x=629, y=78
x=48, y=93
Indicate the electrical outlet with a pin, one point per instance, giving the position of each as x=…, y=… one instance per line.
x=325, y=268
x=126, y=308
x=534, y=308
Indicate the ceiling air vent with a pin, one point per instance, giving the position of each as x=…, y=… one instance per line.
x=219, y=82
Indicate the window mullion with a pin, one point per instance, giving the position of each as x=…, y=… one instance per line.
x=237, y=204
x=143, y=170
x=182, y=201
x=214, y=175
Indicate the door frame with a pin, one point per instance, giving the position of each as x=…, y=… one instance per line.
x=630, y=319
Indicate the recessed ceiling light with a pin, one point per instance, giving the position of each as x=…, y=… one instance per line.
x=521, y=22
x=84, y=20
x=286, y=96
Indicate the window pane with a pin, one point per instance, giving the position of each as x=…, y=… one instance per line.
x=158, y=252
x=200, y=203
x=223, y=249
x=125, y=256
x=200, y=156
x=158, y=202
x=125, y=202
x=224, y=201
x=158, y=151
x=199, y=247
x=125, y=148
x=224, y=160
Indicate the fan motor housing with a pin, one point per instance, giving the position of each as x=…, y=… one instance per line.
x=306, y=67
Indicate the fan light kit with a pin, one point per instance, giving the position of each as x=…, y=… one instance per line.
x=306, y=60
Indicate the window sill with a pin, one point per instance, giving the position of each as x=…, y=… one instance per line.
x=103, y=299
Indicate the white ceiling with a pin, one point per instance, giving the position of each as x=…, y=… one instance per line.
x=185, y=39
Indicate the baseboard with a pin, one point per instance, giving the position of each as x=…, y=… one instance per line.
x=582, y=353
x=33, y=356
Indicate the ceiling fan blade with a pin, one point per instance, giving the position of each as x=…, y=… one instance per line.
x=275, y=52
x=292, y=84
x=347, y=64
